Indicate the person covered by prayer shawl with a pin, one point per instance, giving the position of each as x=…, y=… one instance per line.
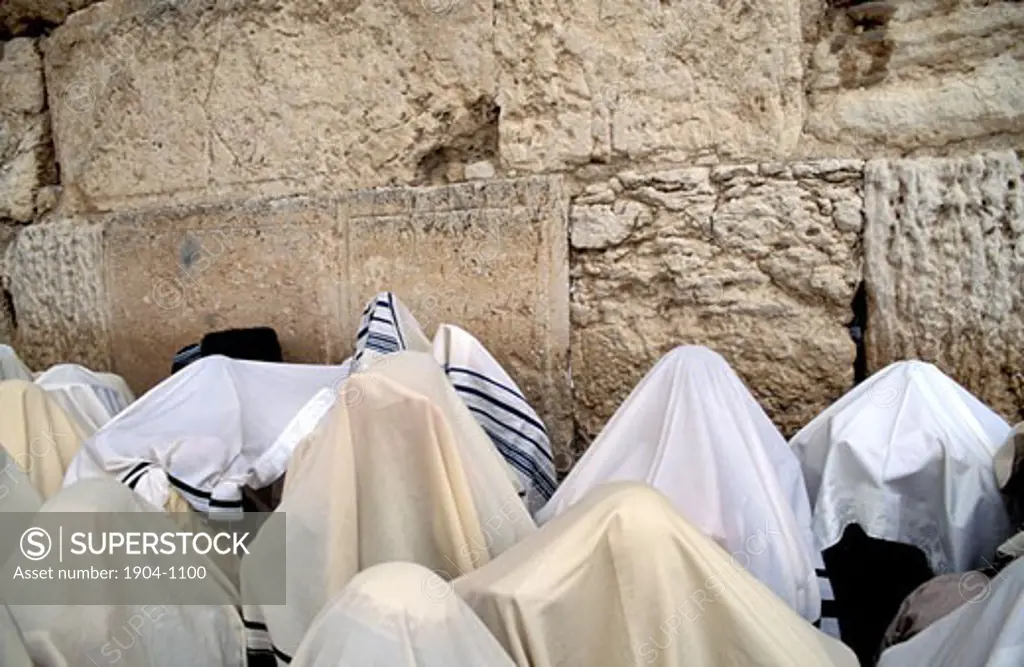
x=210, y=430
x=399, y=470
x=386, y=327
x=621, y=578
x=37, y=434
x=399, y=615
x=502, y=411
x=939, y=596
x=987, y=630
x=92, y=399
x=93, y=628
x=692, y=430
x=888, y=511
x=17, y=494
x=493, y=398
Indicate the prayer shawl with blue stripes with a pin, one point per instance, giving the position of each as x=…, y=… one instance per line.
x=387, y=326
x=501, y=410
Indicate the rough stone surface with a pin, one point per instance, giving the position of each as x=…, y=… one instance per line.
x=55, y=275
x=944, y=265
x=25, y=153
x=19, y=17
x=176, y=275
x=7, y=316
x=888, y=78
x=758, y=262
x=609, y=81
x=156, y=102
x=491, y=258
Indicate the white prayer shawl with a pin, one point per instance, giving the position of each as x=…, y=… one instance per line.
x=908, y=456
x=16, y=491
x=13, y=652
x=692, y=430
x=387, y=326
x=399, y=470
x=988, y=631
x=399, y=615
x=622, y=579
x=138, y=635
x=502, y=411
x=92, y=399
x=37, y=434
x=11, y=367
x=215, y=426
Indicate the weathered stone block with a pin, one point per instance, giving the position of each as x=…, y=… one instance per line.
x=175, y=276
x=156, y=102
x=944, y=265
x=927, y=76
x=125, y=291
x=606, y=80
x=55, y=276
x=757, y=263
x=25, y=155
x=491, y=258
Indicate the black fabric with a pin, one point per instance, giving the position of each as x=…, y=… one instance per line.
x=256, y=344
x=870, y=579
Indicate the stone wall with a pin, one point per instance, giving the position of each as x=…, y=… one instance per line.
x=584, y=184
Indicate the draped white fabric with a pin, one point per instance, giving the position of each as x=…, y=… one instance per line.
x=399, y=470
x=692, y=430
x=11, y=366
x=13, y=652
x=399, y=615
x=213, y=427
x=137, y=635
x=92, y=399
x=986, y=631
x=621, y=578
x=17, y=494
x=908, y=455
x=500, y=408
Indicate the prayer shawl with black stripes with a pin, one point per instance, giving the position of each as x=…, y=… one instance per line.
x=501, y=410
x=387, y=326
x=210, y=429
x=399, y=470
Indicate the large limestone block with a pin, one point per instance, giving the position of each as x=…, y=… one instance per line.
x=924, y=75
x=759, y=263
x=19, y=17
x=614, y=80
x=55, y=278
x=156, y=101
x=25, y=155
x=176, y=275
x=944, y=265
x=491, y=258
